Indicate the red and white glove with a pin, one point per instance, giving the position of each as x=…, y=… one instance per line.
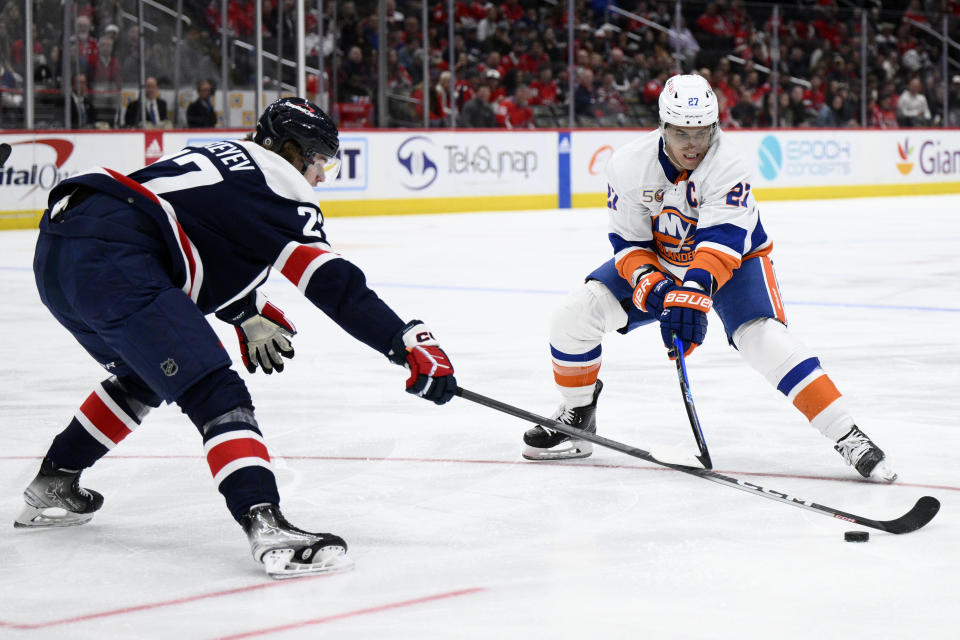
x=264, y=333
x=431, y=372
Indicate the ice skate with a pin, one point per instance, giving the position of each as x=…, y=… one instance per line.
x=862, y=454
x=288, y=552
x=543, y=443
x=56, y=499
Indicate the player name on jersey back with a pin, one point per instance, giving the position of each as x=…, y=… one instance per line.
x=230, y=155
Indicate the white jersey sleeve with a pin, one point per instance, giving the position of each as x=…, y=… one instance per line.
x=633, y=199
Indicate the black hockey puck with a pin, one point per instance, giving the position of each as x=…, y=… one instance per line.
x=856, y=536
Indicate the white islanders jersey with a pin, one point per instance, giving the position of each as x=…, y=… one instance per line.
x=695, y=225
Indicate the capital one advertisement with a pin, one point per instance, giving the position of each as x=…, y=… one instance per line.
x=39, y=162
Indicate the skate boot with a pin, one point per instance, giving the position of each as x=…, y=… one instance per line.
x=57, y=490
x=862, y=454
x=543, y=443
x=288, y=552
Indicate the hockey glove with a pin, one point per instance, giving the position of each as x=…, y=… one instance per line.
x=684, y=314
x=264, y=334
x=681, y=310
x=431, y=373
x=651, y=288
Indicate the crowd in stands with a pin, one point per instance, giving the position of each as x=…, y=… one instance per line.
x=510, y=60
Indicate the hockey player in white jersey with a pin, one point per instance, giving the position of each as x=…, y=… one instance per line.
x=687, y=237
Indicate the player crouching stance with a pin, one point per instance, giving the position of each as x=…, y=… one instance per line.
x=131, y=265
x=687, y=237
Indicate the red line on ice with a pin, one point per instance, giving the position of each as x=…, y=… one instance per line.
x=154, y=605
x=352, y=614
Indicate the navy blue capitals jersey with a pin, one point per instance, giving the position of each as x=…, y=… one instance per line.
x=229, y=212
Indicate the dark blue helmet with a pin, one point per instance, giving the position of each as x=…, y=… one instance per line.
x=302, y=122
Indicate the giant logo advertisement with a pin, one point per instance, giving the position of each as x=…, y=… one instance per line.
x=933, y=157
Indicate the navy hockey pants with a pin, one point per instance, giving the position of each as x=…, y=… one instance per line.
x=118, y=301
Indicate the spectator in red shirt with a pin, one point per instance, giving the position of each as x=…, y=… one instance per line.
x=728, y=86
x=882, y=113
x=466, y=87
x=651, y=90
x=493, y=63
x=239, y=16
x=532, y=60
x=544, y=88
x=914, y=13
x=816, y=95
x=518, y=115
x=86, y=44
x=512, y=10
x=497, y=92
x=714, y=24
x=104, y=66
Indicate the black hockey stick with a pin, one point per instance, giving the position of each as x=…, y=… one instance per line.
x=5, y=150
x=681, y=361
x=921, y=513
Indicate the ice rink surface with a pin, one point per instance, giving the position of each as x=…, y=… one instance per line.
x=453, y=534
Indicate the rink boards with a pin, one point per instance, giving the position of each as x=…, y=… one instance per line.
x=441, y=171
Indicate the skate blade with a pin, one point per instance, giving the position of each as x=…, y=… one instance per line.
x=571, y=450
x=48, y=517
x=883, y=473
x=278, y=566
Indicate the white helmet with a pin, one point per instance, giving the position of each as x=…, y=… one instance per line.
x=688, y=101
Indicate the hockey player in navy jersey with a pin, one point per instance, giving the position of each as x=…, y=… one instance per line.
x=687, y=237
x=131, y=264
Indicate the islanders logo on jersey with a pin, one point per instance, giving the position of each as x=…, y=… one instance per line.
x=673, y=236
x=904, y=150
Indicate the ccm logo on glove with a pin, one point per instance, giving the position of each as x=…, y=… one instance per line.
x=431, y=372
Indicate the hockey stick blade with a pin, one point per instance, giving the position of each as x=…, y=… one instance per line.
x=687, y=396
x=5, y=150
x=921, y=513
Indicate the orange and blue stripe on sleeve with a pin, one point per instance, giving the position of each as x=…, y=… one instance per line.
x=809, y=388
x=576, y=370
